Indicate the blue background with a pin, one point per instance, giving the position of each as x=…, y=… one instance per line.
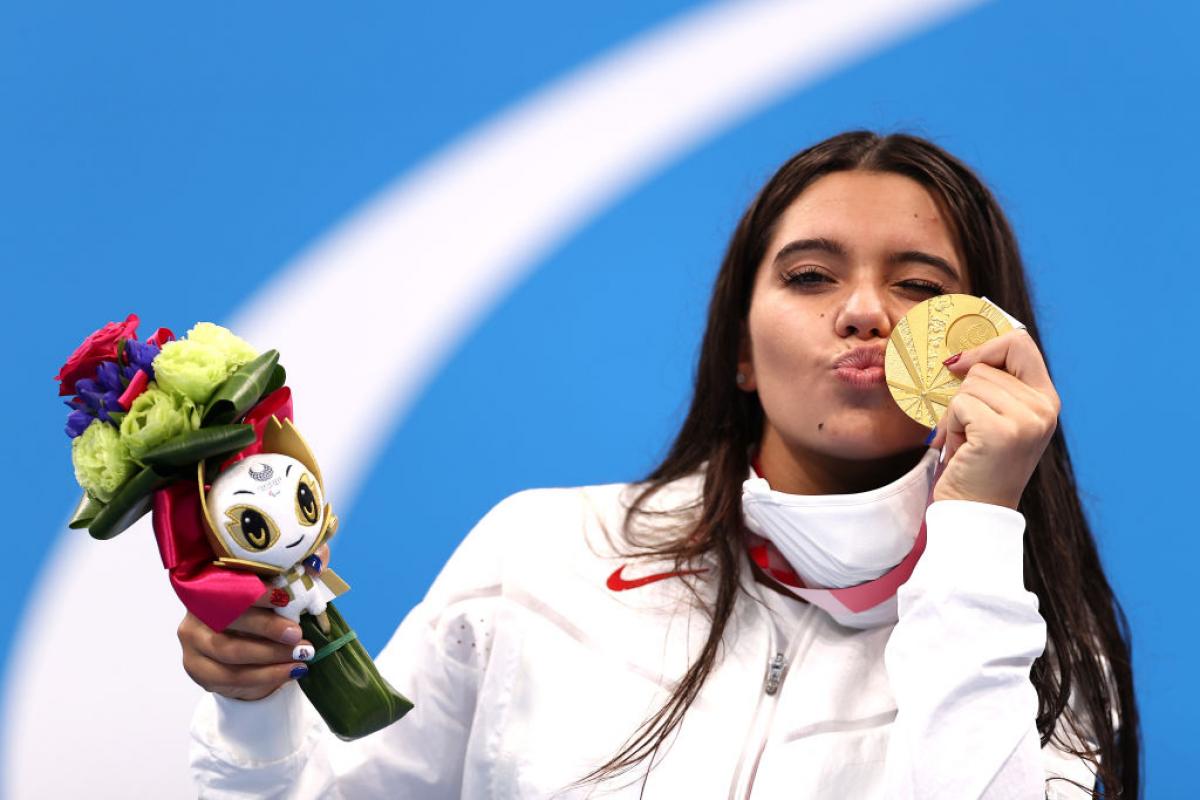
x=169, y=160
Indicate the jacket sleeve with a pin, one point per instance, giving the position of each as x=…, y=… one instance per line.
x=278, y=747
x=959, y=661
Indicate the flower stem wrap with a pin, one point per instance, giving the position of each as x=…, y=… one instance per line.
x=345, y=687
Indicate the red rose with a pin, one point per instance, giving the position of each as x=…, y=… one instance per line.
x=100, y=346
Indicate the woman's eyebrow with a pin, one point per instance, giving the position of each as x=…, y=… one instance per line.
x=819, y=244
x=920, y=257
x=835, y=248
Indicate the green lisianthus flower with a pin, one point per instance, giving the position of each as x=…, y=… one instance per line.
x=101, y=460
x=154, y=417
x=190, y=369
x=234, y=349
x=194, y=367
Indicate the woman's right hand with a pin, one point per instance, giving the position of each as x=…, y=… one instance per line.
x=259, y=651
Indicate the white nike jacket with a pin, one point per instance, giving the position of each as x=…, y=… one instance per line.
x=541, y=648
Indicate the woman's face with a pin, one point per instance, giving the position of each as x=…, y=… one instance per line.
x=849, y=257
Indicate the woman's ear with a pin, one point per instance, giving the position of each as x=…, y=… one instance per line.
x=745, y=368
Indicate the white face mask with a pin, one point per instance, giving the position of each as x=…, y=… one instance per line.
x=842, y=540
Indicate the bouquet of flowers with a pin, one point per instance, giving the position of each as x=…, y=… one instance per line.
x=199, y=431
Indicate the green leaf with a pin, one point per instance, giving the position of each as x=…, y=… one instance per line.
x=186, y=449
x=131, y=501
x=212, y=467
x=241, y=390
x=278, y=378
x=346, y=688
x=85, y=512
x=117, y=417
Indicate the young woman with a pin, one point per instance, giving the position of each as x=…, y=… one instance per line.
x=652, y=638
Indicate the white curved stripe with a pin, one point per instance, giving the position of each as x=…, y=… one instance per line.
x=384, y=299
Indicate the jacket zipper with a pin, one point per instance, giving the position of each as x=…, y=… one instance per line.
x=764, y=713
x=774, y=673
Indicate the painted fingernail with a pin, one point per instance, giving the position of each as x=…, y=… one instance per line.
x=313, y=562
x=932, y=434
x=303, y=652
x=952, y=359
x=291, y=635
x=299, y=671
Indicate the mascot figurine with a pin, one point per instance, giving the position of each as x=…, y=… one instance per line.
x=266, y=513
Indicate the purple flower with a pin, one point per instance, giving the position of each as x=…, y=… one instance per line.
x=96, y=400
x=99, y=396
x=109, y=402
x=108, y=376
x=77, y=423
x=89, y=390
x=140, y=355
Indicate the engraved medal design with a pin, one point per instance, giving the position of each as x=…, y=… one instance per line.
x=930, y=333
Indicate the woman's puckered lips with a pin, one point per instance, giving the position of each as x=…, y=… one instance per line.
x=860, y=358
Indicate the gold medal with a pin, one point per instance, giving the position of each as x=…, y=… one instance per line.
x=930, y=333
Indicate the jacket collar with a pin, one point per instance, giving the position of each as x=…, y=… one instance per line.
x=847, y=553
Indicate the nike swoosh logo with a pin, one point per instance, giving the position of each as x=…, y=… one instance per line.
x=617, y=583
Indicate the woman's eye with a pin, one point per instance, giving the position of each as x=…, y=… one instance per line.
x=805, y=277
x=927, y=287
x=812, y=277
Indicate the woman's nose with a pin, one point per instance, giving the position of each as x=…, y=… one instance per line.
x=864, y=316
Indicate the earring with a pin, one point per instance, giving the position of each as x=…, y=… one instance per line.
x=740, y=378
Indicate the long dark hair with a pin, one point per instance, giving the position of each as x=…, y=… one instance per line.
x=1088, y=657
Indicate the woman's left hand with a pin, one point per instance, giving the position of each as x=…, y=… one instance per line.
x=998, y=424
